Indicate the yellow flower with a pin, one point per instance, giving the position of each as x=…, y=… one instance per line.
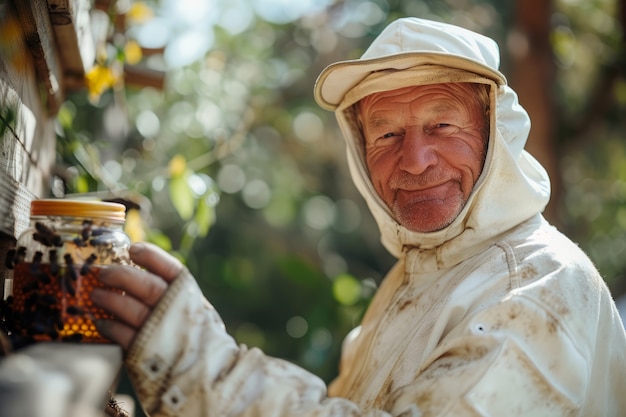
x=134, y=226
x=99, y=79
x=177, y=166
x=139, y=12
x=132, y=52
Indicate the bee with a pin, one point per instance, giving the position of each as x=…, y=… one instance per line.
x=36, y=270
x=37, y=259
x=69, y=275
x=20, y=255
x=74, y=311
x=100, y=241
x=69, y=267
x=36, y=263
x=9, y=261
x=79, y=242
x=46, y=235
x=84, y=270
x=67, y=286
x=54, y=262
x=86, y=232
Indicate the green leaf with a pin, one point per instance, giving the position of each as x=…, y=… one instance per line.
x=205, y=216
x=82, y=184
x=65, y=117
x=346, y=289
x=160, y=239
x=182, y=196
x=301, y=272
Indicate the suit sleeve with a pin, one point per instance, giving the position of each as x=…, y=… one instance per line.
x=183, y=363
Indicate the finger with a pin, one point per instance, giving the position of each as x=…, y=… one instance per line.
x=156, y=260
x=124, y=307
x=140, y=284
x=116, y=332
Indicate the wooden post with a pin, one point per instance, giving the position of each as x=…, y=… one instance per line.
x=532, y=76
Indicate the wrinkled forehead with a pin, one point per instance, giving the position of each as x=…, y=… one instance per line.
x=441, y=96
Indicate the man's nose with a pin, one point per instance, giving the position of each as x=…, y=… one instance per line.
x=418, y=153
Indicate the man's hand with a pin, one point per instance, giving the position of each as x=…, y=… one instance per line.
x=142, y=290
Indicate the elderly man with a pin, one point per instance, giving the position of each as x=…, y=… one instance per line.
x=489, y=311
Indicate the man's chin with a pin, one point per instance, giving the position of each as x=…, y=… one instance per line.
x=421, y=221
x=425, y=228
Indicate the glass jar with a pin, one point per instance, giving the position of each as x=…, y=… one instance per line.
x=56, y=264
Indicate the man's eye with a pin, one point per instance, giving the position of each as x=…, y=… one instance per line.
x=389, y=135
x=443, y=129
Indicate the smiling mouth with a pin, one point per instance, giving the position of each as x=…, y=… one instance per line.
x=440, y=192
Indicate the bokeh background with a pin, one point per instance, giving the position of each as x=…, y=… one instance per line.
x=200, y=117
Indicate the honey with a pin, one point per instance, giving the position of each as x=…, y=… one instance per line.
x=56, y=265
x=55, y=305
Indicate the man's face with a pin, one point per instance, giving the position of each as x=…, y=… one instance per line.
x=425, y=148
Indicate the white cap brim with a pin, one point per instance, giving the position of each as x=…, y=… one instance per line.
x=337, y=79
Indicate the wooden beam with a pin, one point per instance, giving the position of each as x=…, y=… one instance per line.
x=72, y=29
x=39, y=38
x=15, y=201
x=532, y=76
x=141, y=76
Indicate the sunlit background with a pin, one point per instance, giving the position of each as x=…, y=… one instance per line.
x=200, y=114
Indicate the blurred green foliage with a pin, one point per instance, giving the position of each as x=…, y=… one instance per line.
x=242, y=176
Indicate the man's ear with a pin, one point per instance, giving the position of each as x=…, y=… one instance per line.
x=360, y=124
x=356, y=108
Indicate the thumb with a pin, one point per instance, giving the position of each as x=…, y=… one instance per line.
x=156, y=260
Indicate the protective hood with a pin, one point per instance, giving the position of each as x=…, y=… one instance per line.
x=512, y=187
